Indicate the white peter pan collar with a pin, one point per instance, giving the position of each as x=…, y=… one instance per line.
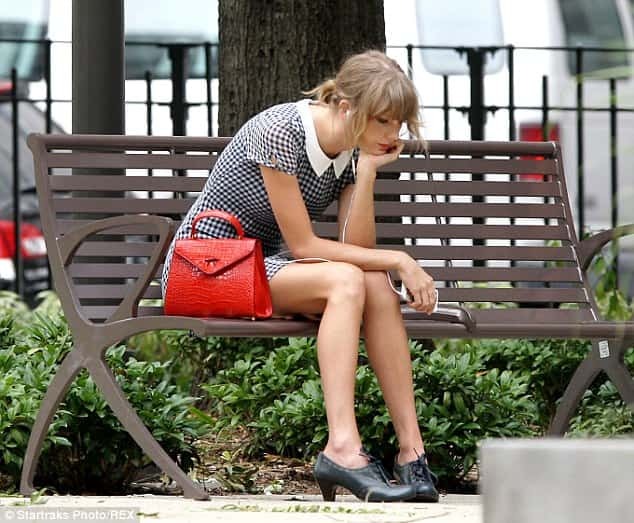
x=319, y=160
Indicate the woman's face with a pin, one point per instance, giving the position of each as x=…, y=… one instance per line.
x=380, y=136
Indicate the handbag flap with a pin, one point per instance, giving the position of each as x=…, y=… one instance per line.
x=213, y=256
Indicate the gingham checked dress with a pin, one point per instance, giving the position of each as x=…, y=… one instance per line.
x=282, y=137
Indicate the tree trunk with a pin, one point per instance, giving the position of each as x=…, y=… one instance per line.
x=271, y=50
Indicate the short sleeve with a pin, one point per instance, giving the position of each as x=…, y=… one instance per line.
x=274, y=143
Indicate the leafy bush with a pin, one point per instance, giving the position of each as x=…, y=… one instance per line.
x=545, y=365
x=86, y=448
x=269, y=395
x=193, y=359
x=603, y=414
x=461, y=401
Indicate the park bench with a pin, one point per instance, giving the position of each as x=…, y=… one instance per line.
x=502, y=250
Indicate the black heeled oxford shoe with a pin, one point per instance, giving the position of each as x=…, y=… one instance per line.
x=416, y=473
x=370, y=483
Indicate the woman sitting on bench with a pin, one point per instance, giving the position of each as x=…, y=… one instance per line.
x=283, y=168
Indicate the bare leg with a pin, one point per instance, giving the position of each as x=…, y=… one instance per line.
x=386, y=343
x=337, y=290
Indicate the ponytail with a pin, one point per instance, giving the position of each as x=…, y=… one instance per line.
x=325, y=92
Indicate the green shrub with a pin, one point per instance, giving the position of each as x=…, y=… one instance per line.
x=545, y=365
x=86, y=448
x=193, y=359
x=461, y=401
x=253, y=384
x=603, y=414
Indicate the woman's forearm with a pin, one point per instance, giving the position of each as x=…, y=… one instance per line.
x=366, y=259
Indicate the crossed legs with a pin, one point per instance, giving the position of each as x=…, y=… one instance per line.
x=346, y=296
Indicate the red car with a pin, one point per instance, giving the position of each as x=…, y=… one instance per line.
x=35, y=261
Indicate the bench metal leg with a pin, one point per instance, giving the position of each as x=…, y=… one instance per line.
x=614, y=367
x=619, y=374
x=68, y=369
x=583, y=377
x=622, y=380
x=105, y=380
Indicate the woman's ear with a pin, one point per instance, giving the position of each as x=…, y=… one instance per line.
x=344, y=109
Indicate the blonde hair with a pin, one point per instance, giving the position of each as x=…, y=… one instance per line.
x=374, y=85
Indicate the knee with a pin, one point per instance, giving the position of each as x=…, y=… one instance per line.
x=378, y=291
x=346, y=284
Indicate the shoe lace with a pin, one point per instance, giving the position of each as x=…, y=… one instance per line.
x=421, y=471
x=377, y=464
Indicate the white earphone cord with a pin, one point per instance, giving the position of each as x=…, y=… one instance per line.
x=403, y=292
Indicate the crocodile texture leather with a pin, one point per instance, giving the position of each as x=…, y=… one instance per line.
x=218, y=277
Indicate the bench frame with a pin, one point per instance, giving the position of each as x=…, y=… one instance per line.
x=91, y=339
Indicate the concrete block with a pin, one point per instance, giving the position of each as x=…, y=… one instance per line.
x=557, y=481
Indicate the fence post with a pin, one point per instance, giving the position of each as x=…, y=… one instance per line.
x=477, y=119
x=47, y=79
x=208, y=73
x=477, y=115
x=614, y=172
x=178, y=111
x=580, y=152
x=17, y=217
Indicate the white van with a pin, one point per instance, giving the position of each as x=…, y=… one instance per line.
x=533, y=23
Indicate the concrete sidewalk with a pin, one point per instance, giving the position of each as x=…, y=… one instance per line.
x=246, y=509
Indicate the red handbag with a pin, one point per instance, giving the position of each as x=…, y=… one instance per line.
x=223, y=277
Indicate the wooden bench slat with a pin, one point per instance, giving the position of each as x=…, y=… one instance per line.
x=467, y=252
x=470, y=210
x=109, y=270
x=99, y=182
x=475, y=294
x=115, y=206
x=510, y=274
x=94, y=160
x=461, y=274
x=471, y=252
x=528, y=315
x=510, y=295
x=470, y=188
x=419, y=209
x=64, y=226
x=390, y=230
x=108, y=142
x=429, y=231
x=470, y=165
x=113, y=291
x=101, y=312
x=97, y=160
x=116, y=249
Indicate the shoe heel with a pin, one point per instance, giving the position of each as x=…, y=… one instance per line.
x=328, y=489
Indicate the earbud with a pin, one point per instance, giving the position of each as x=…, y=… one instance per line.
x=347, y=114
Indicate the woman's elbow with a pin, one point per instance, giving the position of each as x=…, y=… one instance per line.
x=304, y=248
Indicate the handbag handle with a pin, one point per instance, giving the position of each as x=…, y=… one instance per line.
x=213, y=213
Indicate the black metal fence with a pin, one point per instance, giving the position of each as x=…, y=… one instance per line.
x=476, y=110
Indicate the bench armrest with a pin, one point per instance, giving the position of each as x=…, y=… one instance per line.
x=70, y=242
x=589, y=247
x=454, y=314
